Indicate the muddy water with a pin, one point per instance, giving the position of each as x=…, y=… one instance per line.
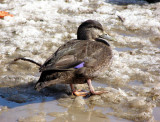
x=53, y=108
x=36, y=31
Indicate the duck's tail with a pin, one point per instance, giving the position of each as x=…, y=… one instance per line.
x=48, y=78
x=29, y=60
x=41, y=85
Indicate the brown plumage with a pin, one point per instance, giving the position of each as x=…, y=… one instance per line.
x=90, y=50
x=95, y=52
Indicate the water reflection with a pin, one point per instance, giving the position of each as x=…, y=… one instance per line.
x=90, y=114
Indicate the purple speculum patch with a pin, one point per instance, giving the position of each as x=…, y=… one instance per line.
x=79, y=65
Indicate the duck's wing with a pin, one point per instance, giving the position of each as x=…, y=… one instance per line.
x=65, y=58
x=78, y=54
x=65, y=63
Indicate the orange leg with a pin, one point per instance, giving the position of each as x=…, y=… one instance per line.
x=77, y=93
x=92, y=88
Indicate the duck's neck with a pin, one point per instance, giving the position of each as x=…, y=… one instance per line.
x=102, y=41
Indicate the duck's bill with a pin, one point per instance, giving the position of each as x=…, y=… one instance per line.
x=107, y=37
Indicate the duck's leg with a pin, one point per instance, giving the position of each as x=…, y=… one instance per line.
x=79, y=92
x=92, y=91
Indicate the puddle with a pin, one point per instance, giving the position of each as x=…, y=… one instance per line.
x=126, y=2
x=49, y=109
x=123, y=49
x=52, y=112
x=19, y=111
x=156, y=113
x=98, y=84
x=126, y=33
x=115, y=119
x=135, y=83
x=88, y=115
x=111, y=118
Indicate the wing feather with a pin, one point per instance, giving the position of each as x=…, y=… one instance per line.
x=73, y=53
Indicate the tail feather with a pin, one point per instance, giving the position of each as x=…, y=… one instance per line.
x=41, y=85
x=29, y=60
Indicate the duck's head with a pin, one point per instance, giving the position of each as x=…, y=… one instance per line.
x=92, y=30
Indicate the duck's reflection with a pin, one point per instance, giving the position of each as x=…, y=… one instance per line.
x=80, y=114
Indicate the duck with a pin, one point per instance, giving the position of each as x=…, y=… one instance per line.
x=78, y=61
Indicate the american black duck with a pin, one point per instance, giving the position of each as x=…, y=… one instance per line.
x=79, y=60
